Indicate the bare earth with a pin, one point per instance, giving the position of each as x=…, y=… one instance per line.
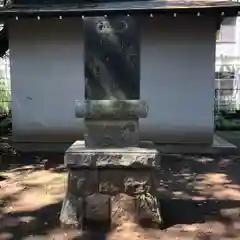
x=200, y=199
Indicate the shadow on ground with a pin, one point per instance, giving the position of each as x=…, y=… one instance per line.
x=45, y=221
x=199, y=177
x=31, y=223
x=231, y=136
x=24, y=161
x=199, y=199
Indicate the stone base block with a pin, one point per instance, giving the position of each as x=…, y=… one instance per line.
x=91, y=191
x=147, y=208
x=82, y=182
x=129, y=181
x=97, y=207
x=97, y=176
x=71, y=212
x=135, y=209
x=109, y=133
x=78, y=156
x=139, y=185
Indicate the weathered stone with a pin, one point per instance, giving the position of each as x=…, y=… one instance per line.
x=122, y=210
x=97, y=207
x=111, y=109
x=147, y=208
x=135, y=185
x=133, y=157
x=72, y=211
x=113, y=70
x=129, y=181
x=111, y=133
x=79, y=184
x=132, y=209
x=111, y=181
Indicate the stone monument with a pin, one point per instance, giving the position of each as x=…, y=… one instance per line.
x=110, y=162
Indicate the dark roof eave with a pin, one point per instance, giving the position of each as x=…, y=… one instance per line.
x=94, y=9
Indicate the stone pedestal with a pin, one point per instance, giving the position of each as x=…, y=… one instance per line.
x=110, y=162
x=97, y=176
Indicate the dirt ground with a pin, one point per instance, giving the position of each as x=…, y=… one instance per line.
x=199, y=199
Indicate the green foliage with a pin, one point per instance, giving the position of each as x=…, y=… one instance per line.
x=5, y=97
x=222, y=122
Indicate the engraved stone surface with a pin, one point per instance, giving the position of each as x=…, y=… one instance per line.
x=128, y=181
x=97, y=207
x=111, y=133
x=111, y=109
x=80, y=156
x=72, y=211
x=112, y=58
x=79, y=184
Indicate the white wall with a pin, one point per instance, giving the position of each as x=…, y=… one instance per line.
x=238, y=36
x=227, y=38
x=225, y=49
x=177, y=74
x=47, y=75
x=177, y=79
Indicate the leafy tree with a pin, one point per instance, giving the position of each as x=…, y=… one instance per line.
x=5, y=97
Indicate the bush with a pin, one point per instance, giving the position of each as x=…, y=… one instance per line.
x=5, y=98
x=223, y=123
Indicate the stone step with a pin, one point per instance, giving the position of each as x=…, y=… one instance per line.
x=79, y=156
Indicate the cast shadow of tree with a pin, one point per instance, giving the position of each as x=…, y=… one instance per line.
x=33, y=161
x=40, y=223
x=201, y=188
x=187, y=176
x=182, y=179
x=21, y=217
